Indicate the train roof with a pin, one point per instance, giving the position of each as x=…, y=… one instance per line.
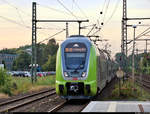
x=77, y=38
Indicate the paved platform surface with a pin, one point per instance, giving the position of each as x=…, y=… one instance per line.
x=117, y=106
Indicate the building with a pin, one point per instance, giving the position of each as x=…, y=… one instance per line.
x=8, y=59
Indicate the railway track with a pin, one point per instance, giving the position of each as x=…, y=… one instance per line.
x=144, y=82
x=71, y=106
x=79, y=105
x=13, y=104
x=55, y=109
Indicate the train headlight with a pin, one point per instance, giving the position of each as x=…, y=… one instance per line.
x=65, y=74
x=83, y=74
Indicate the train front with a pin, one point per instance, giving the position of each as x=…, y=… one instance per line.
x=72, y=69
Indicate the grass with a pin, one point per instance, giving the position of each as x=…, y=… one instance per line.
x=5, y=82
x=129, y=92
x=24, y=84
x=2, y=95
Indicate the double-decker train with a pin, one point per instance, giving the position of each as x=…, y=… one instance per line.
x=82, y=70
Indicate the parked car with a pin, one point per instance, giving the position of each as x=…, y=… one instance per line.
x=10, y=73
x=52, y=73
x=39, y=74
x=15, y=73
x=27, y=74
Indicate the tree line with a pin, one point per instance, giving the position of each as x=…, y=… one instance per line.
x=126, y=62
x=46, y=56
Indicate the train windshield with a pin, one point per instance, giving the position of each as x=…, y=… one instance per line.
x=75, y=60
x=75, y=56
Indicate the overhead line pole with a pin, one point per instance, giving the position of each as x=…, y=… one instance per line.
x=124, y=37
x=124, y=27
x=67, y=30
x=34, y=40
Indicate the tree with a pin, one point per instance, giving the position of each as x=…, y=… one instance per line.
x=40, y=54
x=43, y=52
x=49, y=55
x=8, y=51
x=122, y=60
x=51, y=48
x=50, y=64
x=22, y=62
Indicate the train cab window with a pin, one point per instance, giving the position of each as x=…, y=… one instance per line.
x=75, y=60
x=75, y=56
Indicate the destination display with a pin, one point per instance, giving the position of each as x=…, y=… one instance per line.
x=75, y=49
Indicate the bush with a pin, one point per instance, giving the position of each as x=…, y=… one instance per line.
x=5, y=82
x=127, y=91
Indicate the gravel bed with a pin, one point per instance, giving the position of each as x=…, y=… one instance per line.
x=74, y=106
x=43, y=105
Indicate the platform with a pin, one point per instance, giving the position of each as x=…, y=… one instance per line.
x=117, y=106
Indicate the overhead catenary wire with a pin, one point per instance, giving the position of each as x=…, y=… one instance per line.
x=101, y=12
x=51, y=36
x=18, y=10
x=107, y=6
x=115, y=9
x=104, y=5
x=84, y=14
x=67, y=9
x=113, y=12
x=88, y=26
x=13, y=6
x=12, y=21
x=49, y=28
x=91, y=29
x=80, y=9
x=145, y=32
x=54, y=9
x=21, y=17
x=96, y=31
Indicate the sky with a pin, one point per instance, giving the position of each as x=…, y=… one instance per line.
x=16, y=16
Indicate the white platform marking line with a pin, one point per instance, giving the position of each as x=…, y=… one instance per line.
x=112, y=107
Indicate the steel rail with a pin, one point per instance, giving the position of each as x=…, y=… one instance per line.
x=55, y=109
x=146, y=85
x=27, y=96
x=8, y=109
